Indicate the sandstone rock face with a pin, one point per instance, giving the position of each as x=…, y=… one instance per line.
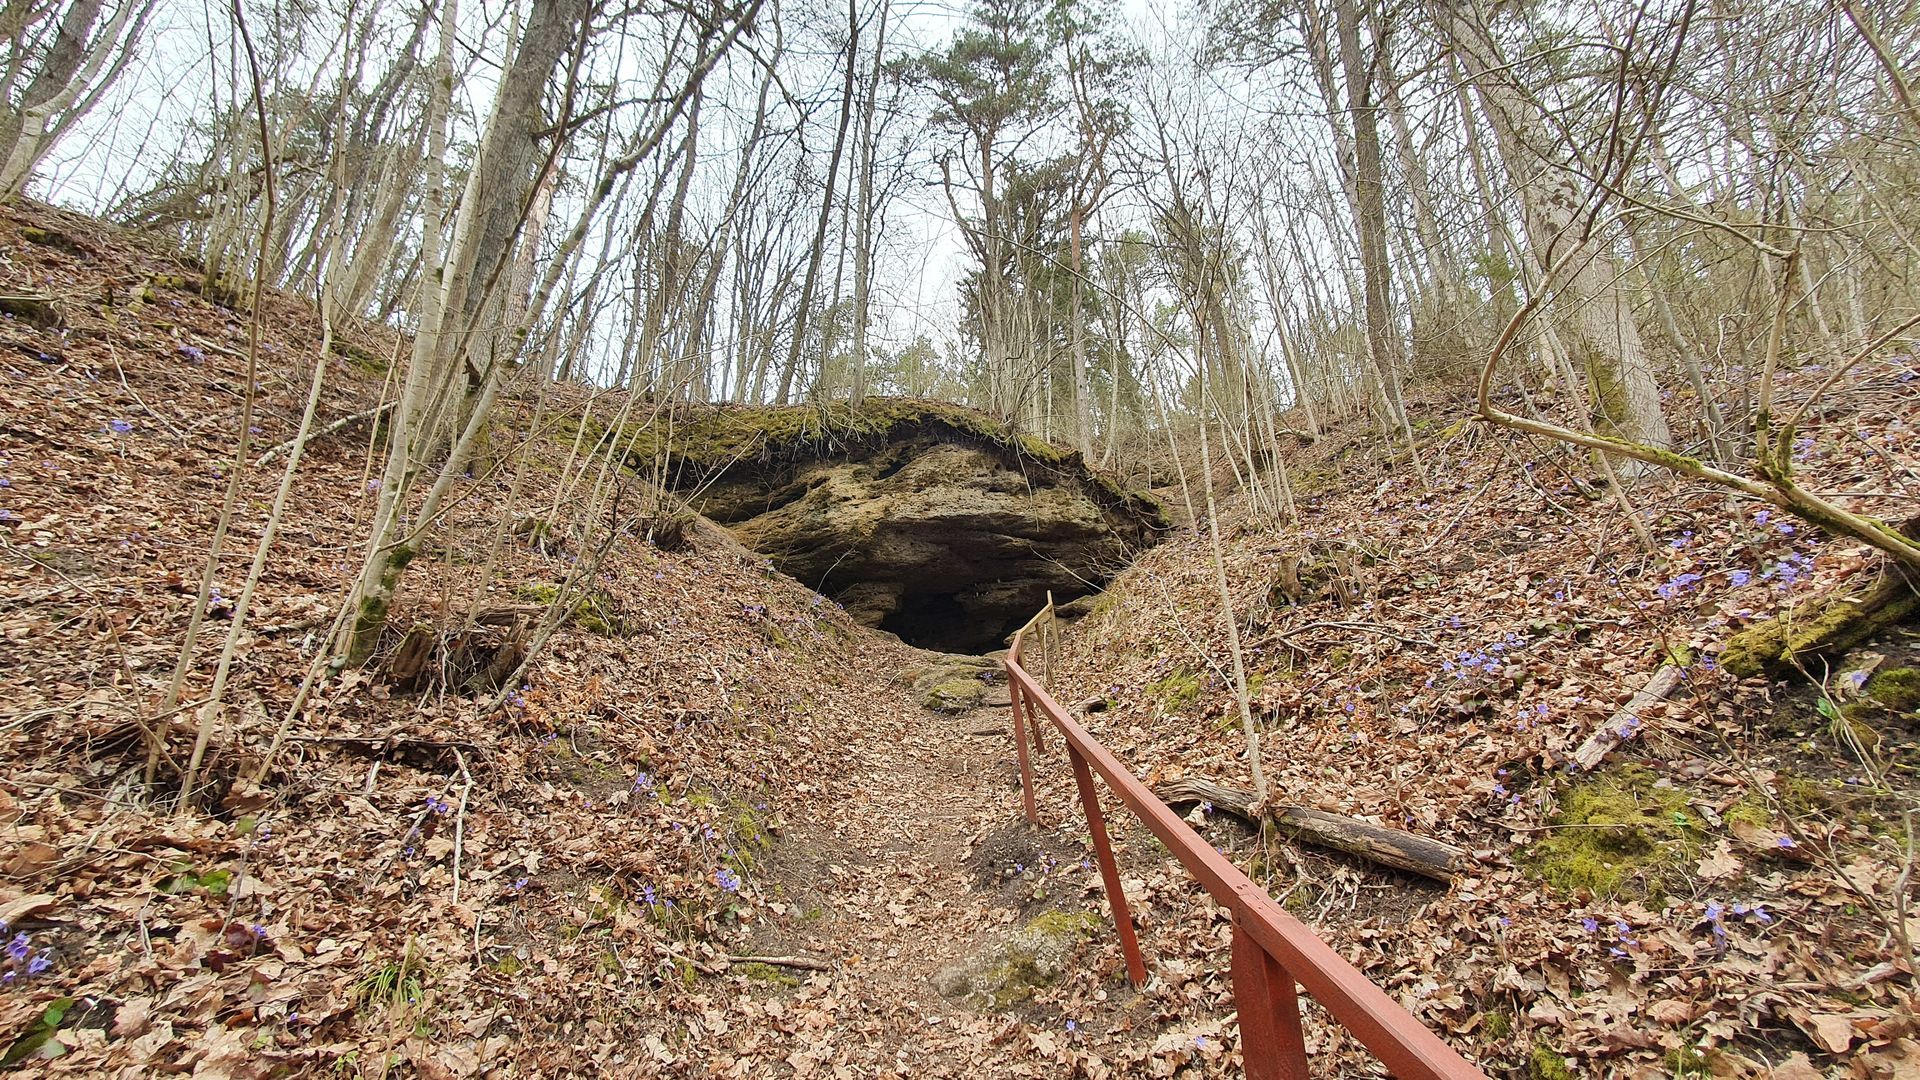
x=946, y=538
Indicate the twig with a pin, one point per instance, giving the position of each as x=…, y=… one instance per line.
x=1429, y=546
x=805, y=963
x=704, y=969
x=460, y=823
x=1619, y=727
x=1374, y=628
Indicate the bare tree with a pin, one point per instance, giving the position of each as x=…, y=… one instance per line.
x=74, y=62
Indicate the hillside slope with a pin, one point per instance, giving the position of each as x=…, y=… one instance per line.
x=1722, y=895
x=715, y=831
x=708, y=761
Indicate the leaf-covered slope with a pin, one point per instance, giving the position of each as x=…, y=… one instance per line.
x=1430, y=659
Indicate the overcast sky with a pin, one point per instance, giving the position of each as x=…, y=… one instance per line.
x=186, y=69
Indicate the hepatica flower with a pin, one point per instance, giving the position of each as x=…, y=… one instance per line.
x=120, y=427
x=20, y=951
x=727, y=880
x=1678, y=585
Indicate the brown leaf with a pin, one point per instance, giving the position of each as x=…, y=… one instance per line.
x=1832, y=1032
x=13, y=911
x=1721, y=864
x=1671, y=1012
x=1796, y=1067
x=30, y=859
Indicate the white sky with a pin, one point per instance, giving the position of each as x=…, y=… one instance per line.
x=124, y=144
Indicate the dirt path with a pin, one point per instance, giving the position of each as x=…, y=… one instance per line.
x=895, y=883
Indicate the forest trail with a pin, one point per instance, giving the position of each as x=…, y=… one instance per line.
x=898, y=881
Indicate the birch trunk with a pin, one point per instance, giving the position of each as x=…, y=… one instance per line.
x=1602, y=333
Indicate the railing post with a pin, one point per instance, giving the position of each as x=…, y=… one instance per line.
x=1109, y=872
x=1272, y=1045
x=1020, y=745
x=1039, y=729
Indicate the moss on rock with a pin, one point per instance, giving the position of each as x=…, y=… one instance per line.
x=705, y=440
x=956, y=695
x=957, y=684
x=1032, y=959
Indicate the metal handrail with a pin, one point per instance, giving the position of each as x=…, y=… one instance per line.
x=1272, y=950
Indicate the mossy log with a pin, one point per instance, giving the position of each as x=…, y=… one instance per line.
x=1382, y=844
x=1823, y=625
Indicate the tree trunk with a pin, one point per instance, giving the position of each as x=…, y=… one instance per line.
x=56, y=86
x=1605, y=338
x=796, y=347
x=1368, y=192
x=492, y=213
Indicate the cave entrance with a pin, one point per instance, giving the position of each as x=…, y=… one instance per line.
x=942, y=622
x=948, y=537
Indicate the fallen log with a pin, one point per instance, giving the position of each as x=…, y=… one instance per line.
x=323, y=431
x=1382, y=844
x=1621, y=725
x=1824, y=625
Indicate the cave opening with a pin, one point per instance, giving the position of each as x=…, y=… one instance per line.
x=944, y=622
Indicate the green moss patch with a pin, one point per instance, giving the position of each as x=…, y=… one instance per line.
x=1546, y=1063
x=1615, y=830
x=594, y=611
x=1896, y=690
x=1176, y=690
x=766, y=975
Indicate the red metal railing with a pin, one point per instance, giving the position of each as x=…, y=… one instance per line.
x=1272, y=950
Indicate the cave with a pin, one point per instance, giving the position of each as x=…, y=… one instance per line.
x=924, y=521
x=941, y=623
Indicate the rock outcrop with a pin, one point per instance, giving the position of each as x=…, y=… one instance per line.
x=924, y=519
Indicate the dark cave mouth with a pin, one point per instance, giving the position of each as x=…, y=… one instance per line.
x=953, y=622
